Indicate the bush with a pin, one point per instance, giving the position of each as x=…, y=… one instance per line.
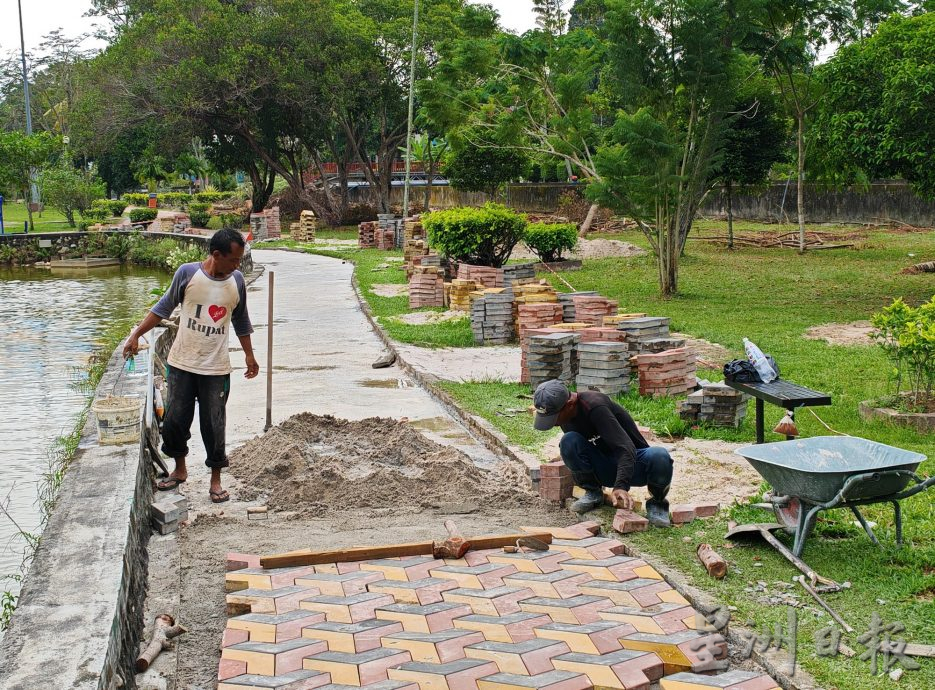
x=481, y=236
x=232, y=220
x=114, y=207
x=92, y=216
x=178, y=200
x=134, y=199
x=143, y=215
x=211, y=197
x=199, y=214
x=907, y=336
x=550, y=240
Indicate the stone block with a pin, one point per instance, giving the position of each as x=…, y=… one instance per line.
x=296, y=680
x=352, y=609
x=238, y=561
x=265, y=627
x=627, y=522
x=490, y=602
x=435, y=648
x=705, y=510
x=273, y=658
x=560, y=584
x=682, y=514
x=732, y=680
x=262, y=578
x=426, y=619
x=514, y=627
x=462, y=674
x=621, y=670
x=357, y=669
x=531, y=561
x=352, y=638
x=593, y=638
x=229, y=668
x=581, y=609
x=527, y=658
x=233, y=636
x=617, y=568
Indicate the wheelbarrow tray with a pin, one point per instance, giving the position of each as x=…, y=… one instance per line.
x=815, y=469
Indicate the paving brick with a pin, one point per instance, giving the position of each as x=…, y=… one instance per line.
x=659, y=619
x=561, y=584
x=338, y=568
x=273, y=658
x=261, y=578
x=616, y=568
x=681, y=651
x=414, y=568
x=234, y=636
x=455, y=675
x=627, y=522
x=514, y=627
x=266, y=627
x=581, y=609
x=527, y=658
x=682, y=514
x=425, y=591
x=591, y=527
x=706, y=510
x=343, y=585
x=352, y=638
x=357, y=669
x=556, y=469
x=732, y=680
x=429, y=618
x=238, y=561
x=477, y=557
x=296, y=680
x=435, y=648
x=352, y=609
x=576, y=548
x=531, y=561
x=491, y=602
x=279, y=600
x=623, y=670
x=229, y=668
x=621, y=593
x=550, y=680
x=476, y=576
x=594, y=638
x=382, y=685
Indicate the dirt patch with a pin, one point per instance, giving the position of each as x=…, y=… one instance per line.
x=421, y=318
x=589, y=249
x=322, y=462
x=389, y=289
x=711, y=355
x=852, y=334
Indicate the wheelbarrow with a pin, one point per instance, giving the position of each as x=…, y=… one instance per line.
x=825, y=472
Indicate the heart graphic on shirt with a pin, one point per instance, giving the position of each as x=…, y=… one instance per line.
x=217, y=313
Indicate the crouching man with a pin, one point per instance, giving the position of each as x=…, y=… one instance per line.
x=603, y=447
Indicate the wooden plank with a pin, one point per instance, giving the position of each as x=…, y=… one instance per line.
x=364, y=553
x=494, y=541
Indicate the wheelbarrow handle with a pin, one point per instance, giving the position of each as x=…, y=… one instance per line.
x=867, y=477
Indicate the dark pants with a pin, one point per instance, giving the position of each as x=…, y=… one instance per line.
x=211, y=392
x=653, y=465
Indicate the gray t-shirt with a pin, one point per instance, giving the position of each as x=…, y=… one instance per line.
x=209, y=306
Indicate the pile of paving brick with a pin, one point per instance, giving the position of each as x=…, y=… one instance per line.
x=459, y=294
x=266, y=224
x=168, y=511
x=492, y=316
x=580, y=616
x=567, y=300
x=426, y=287
x=485, y=276
x=367, y=234
x=715, y=404
x=415, y=243
x=518, y=273
x=603, y=366
x=181, y=223
x=537, y=315
x=391, y=231
x=551, y=356
x=667, y=373
x=591, y=309
x=305, y=229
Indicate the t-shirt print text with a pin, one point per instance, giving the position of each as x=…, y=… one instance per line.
x=216, y=312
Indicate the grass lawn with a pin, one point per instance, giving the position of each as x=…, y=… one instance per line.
x=771, y=296
x=50, y=220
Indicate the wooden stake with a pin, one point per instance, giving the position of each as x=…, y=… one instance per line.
x=269, y=355
x=712, y=561
x=164, y=631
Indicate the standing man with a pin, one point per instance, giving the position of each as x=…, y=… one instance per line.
x=603, y=447
x=213, y=296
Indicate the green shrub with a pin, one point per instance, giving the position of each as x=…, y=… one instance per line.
x=199, y=214
x=211, y=197
x=114, y=207
x=232, y=220
x=93, y=215
x=481, y=236
x=907, y=336
x=142, y=215
x=550, y=240
x=118, y=246
x=134, y=199
x=178, y=200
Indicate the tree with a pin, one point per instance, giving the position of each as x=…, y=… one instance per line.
x=21, y=158
x=587, y=13
x=151, y=168
x=476, y=169
x=429, y=152
x=550, y=17
x=878, y=119
x=68, y=190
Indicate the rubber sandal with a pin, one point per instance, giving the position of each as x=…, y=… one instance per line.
x=169, y=483
x=219, y=496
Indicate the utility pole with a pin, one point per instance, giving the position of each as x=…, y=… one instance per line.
x=34, y=191
x=412, y=95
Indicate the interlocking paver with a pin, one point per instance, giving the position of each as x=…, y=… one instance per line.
x=229, y=668
x=279, y=600
x=262, y=578
x=593, y=638
x=429, y=618
x=357, y=669
x=338, y=568
x=352, y=609
x=273, y=658
x=476, y=576
x=617, y=568
x=527, y=658
x=581, y=609
x=233, y=636
x=732, y=680
x=514, y=627
x=531, y=561
x=550, y=680
x=382, y=685
x=434, y=648
x=659, y=619
x=266, y=627
x=491, y=602
x=455, y=675
x=681, y=651
x=414, y=568
x=560, y=584
x=623, y=670
x=588, y=548
x=343, y=585
x=296, y=680
x=425, y=591
x=352, y=638
x=639, y=592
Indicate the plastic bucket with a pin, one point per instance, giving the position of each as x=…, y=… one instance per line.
x=118, y=420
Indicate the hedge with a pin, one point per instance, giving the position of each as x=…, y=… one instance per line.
x=550, y=240
x=481, y=236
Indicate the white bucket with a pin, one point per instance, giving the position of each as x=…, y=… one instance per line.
x=118, y=420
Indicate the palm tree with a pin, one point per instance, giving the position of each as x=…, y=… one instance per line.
x=150, y=169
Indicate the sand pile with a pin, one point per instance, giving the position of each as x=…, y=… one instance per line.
x=323, y=464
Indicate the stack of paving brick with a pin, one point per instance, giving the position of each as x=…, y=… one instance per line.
x=567, y=300
x=305, y=229
x=715, y=404
x=168, y=510
x=597, y=334
x=386, y=238
x=514, y=273
x=459, y=294
x=426, y=287
x=367, y=234
x=604, y=367
x=551, y=356
x=532, y=293
x=616, y=319
x=181, y=223
x=537, y=315
x=492, y=317
x=591, y=309
x=487, y=276
x=667, y=373
x=645, y=328
x=524, y=337
x=555, y=482
x=266, y=224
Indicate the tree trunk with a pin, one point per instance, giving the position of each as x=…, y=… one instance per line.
x=70, y=217
x=800, y=116
x=27, y=197
x=730, y=217
x=588, y=221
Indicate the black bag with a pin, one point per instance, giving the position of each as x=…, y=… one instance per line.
x=741, y=371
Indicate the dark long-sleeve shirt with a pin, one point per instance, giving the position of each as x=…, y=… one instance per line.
x=611, y=429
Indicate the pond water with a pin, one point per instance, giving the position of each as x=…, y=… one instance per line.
x=50, y=323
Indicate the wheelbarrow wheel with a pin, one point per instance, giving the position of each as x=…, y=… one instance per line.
x=788, y=513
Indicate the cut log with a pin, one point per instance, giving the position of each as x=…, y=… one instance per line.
x=713, y=562
x=165, y=630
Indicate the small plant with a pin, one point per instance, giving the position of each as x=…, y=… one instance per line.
x=211, y=197
x=183, y=255
x=118, y=246
x=114, y=207
x=481, y=236
x=178, y=200
x=907, y=336
x=200, y=214
x=551, y=240
x=143, y=215
x=134, y=199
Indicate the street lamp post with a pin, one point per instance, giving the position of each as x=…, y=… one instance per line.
x=34, y=191
x=412, y=92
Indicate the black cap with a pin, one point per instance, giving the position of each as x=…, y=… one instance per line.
x=550, y=397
